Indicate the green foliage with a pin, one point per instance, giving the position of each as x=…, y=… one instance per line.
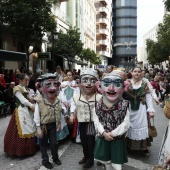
x=69, y=44
x=167, y=4
x=156, y=52
x=27, y=20
x=160, y=51
x=90, y=56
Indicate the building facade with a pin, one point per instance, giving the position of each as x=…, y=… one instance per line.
x=103, y=30
x=124, y=39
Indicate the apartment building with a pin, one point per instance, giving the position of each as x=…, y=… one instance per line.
x=103, y=29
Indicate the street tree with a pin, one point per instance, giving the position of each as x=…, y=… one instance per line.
x=27, y=20
x=156, y=52
x=167, y=4
x=90, y=56
x=68, y=44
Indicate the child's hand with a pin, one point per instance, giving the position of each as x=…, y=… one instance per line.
x=59, y=127
x=72, y=118
x=108, y=136
x=39, y=132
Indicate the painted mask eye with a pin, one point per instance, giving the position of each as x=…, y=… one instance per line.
x=118, y=83
x=107, y=82
x=48, y=84
x=93, y=81
x=84, y=80
x=56, y=84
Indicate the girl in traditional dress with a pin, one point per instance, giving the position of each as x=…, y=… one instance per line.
x=69, y=88
x=139, y=96
x=19, y=137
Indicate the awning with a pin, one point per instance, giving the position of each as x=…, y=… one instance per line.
x=12, y=56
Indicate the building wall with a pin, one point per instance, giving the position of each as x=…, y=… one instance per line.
x=103, y=29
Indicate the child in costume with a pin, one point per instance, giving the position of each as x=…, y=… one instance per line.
x=84, y=103
x=111, y=120
x=47, y=115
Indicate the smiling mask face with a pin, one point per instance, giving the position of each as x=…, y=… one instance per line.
x=87, y=84
x=112, y=88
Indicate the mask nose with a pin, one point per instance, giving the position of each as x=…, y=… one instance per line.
x=111, y=87
x=89, y=82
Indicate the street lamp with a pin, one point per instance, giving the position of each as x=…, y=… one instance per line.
x=52, y=36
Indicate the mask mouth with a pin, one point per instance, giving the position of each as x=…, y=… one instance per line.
x=88, y=87
x=111, y=93
x=52, y=91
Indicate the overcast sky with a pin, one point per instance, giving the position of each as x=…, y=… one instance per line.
x=149, y=13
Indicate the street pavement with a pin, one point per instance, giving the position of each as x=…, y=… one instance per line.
x=70, y=153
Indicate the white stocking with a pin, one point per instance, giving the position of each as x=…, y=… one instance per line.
x=108, y=166
x=117, y=166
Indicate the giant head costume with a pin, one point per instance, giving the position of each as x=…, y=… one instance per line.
x=88, y=78
x=112, y=86
x=48, y=85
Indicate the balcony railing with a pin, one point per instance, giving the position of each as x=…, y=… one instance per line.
x=102, y=21
x=102, y=31
x=104, y=1
x=103, y=53
x=103, y=9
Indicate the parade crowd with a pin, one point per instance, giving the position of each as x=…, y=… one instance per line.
x=108, y=112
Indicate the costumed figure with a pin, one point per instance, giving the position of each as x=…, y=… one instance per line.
x=111, y=120
x=141, y=109
x=84, y=102
x=68, y=89
x=47, y=116
x=19, y=137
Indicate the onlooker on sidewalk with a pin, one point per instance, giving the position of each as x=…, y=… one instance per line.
x=9, y=97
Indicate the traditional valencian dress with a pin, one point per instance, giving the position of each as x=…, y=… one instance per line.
x=140, y=103
x=116, y=121
x=68, y=89
x=19, y=137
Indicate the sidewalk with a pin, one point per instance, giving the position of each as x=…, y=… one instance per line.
x=71, y=153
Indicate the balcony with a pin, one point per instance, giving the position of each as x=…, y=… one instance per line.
x=102, y=31
x=102, y=1
x=103, y=10
x=103, y=53
x=102, y=42
x=102, y=21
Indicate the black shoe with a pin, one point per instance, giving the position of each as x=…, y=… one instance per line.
x=83, y=161
x=99, y=163
x=57, y=161
x=88, y=165
x=48, y=165
x=146, y=152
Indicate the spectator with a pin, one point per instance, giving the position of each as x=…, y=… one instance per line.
x=9, y=96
